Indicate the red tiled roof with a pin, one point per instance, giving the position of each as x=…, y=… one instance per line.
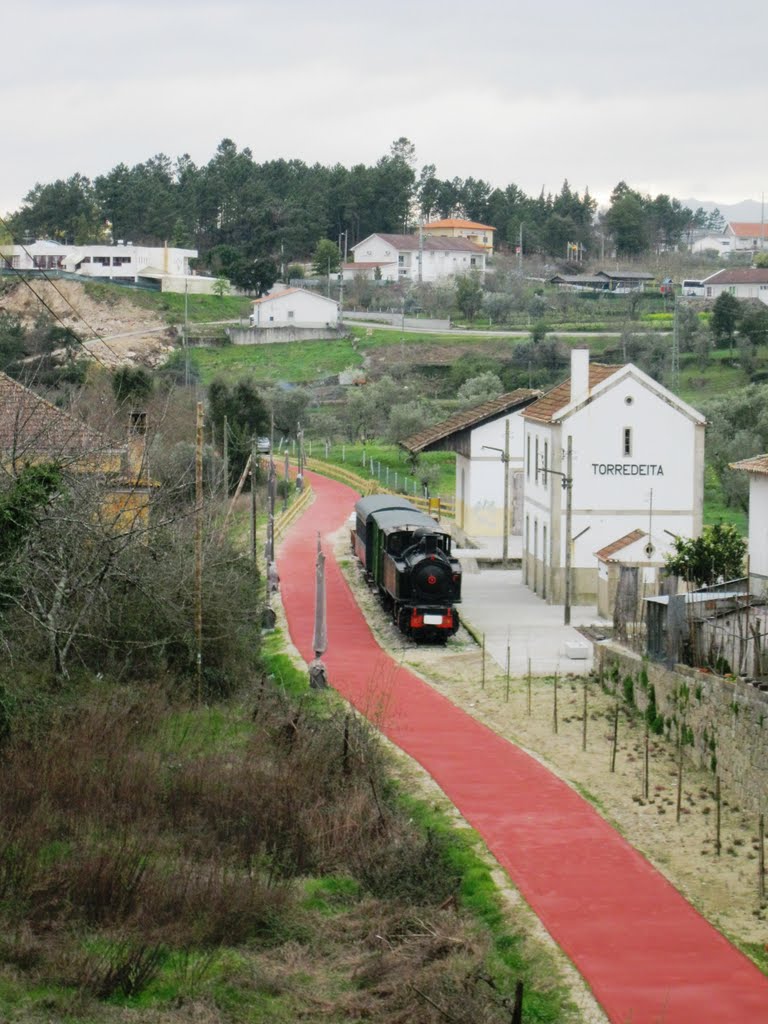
x=757, y=464
x=739, y=275
x=470, y=418
x=366, y=266
x=606, y=553
x=32, y=426
x=560, y=396
x=454, y=222
x=743, y=229
x=432, y=243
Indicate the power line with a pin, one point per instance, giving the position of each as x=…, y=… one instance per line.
x=61, y=294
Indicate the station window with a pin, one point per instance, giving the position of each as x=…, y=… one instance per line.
x=627, y=441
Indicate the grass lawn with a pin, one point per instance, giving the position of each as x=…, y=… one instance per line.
x=387, y=463
x=300, y=362
x=170, y=305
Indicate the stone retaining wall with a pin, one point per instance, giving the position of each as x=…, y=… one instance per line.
x=727, y=719
x=276, y=335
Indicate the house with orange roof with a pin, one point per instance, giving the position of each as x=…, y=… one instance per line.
x=454, y=227
x=608, y=452
x=747, y=235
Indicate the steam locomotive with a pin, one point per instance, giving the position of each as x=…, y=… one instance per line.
x=408, y=558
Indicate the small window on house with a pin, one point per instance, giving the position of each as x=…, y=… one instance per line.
x=290, y=314
x=627, y=441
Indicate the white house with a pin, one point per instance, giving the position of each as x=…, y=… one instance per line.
x=296, y=307
x=741, y=282
x=41, y=255
x=123, y=262
x=479, y=438
x=721, y=244
x=745, y=235
x=397, y=257
x=757, y=468
x=636, y=462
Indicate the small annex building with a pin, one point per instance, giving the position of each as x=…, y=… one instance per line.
x=629, y=570
x=295, y=307
x=636, y=463
x=757, y=469
x=478, y=436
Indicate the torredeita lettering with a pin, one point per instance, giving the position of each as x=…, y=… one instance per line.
x=627, y=469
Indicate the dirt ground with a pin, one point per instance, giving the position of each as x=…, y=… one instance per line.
x=723, y=888
x=131, y=335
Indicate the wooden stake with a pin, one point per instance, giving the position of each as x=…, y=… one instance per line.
x=199, y=548
x=718, y=846
x=506, y=692
x=647, y=764
x=584, y=715
x=225, y=457
x=679, y=774
x=615, y=742
x=529, y=686
x=482, y=677
x=554, y=706
x=761, y=859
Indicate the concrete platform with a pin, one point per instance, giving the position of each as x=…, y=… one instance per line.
x=495, y=602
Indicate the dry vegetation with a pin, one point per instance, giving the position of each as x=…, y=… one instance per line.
x=161, y=861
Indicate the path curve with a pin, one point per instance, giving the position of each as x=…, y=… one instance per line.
x=647, y=955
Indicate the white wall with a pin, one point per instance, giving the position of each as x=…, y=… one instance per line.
x=484, y=476
x=436, y=264
x=611, y=491
x=758, y=524
x=295, y=307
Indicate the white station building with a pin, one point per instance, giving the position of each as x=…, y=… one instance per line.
x=636, y=464
x=488, y=442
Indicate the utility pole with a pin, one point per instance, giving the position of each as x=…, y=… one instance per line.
x=566, y=480
x=225, y=457
x=199, y=548
x=505, y=538
x=253, y=505
x=568, y=484
x=186, y=334
x=675, y=368
x=421, y=249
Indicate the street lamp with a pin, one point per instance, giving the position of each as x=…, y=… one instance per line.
x=505, y=459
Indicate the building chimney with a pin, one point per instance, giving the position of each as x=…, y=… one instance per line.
x=579, y=373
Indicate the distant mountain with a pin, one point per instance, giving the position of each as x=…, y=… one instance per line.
x=748, y=211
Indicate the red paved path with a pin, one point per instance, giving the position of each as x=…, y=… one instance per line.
x=648, y=956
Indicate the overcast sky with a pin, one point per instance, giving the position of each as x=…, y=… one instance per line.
x=669, y=96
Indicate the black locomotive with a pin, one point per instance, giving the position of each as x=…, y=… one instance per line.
x=408, y=558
